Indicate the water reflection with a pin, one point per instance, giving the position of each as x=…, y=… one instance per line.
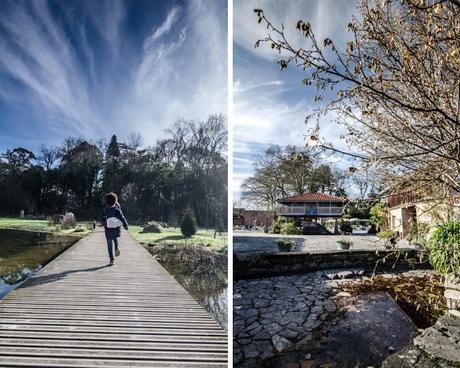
x=210, y=292
x=371, y=328
x=20, y=258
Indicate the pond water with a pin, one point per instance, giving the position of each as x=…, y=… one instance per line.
x=371, y=328
x=377, y=319
x=202, y=273
x=20, y=257
x=210, y=292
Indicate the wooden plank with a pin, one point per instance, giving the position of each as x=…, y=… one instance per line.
x=115, y=345
x=106, y=363
x=103, y=318
x=77, y=312
x=85, y=353
x=112, y=337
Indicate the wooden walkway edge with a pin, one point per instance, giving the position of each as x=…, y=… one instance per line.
x=78, y=312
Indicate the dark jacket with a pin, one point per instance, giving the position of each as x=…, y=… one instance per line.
x=114, y=211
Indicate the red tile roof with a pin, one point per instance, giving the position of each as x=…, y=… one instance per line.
x=312, y=197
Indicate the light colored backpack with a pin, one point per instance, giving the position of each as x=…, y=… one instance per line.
x=113, y=222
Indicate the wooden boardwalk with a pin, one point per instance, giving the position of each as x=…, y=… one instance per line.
x=77, y=312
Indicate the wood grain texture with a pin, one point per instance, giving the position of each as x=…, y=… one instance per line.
x=79, y=312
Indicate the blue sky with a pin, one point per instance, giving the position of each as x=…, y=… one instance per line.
x=95, y=68
x=269, y=105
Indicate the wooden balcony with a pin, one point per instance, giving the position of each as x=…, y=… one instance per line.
x=310, y=211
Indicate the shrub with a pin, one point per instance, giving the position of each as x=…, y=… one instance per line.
x=288, y=242
x=188, y=226
x=290, y=229
x=285, y=245
x=285, y=226
x=346, y=243
x=278, y=223
x=388, y=236
x=444, y=248
x=419, y=233
x=379, y=214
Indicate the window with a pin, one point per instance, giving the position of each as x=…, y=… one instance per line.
x=324, y=204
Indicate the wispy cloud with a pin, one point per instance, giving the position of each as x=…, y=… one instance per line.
x=106, y=16
x=36, y=52
x=327, y=17
x=271, y=106
x=183, y=70
x=164, y=28
x=87, y=68
x=238, y=85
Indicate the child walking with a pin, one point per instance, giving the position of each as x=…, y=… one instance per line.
x=113, y=219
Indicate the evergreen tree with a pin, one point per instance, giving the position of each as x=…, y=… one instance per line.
x=113, y=149
x=112, y=165
x=188, y=225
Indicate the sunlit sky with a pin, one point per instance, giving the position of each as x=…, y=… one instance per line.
x=269, y=105
x=95, y=68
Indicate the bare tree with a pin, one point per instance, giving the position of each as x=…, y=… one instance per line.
x=396, y=86
x=48, y=156
x=282, y=172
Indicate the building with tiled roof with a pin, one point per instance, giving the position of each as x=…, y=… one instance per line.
x=311, y=205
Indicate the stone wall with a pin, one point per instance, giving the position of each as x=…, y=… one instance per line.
x=264, y=265
x=438, y=346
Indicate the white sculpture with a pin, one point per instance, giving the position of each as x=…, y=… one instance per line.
x=69, y=220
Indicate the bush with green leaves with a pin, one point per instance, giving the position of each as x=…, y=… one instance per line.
x=290, y=229
x=419, y=233
x=285, y=226
x=388, y=236
x=345, y=243
x=188, y=226
x=444, y=248
x=379, y=215
x=278, y=223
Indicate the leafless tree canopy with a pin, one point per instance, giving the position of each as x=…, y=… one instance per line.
x=396, y=86
x=282, y=172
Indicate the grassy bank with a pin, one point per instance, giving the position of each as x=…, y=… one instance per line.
x=38, y=225
x=173, y=236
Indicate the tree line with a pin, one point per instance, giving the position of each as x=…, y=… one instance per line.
x=282, y=172
x=185, y=170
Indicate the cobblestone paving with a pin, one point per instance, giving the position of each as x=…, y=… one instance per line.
x=278, y=318
x=277, y=314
